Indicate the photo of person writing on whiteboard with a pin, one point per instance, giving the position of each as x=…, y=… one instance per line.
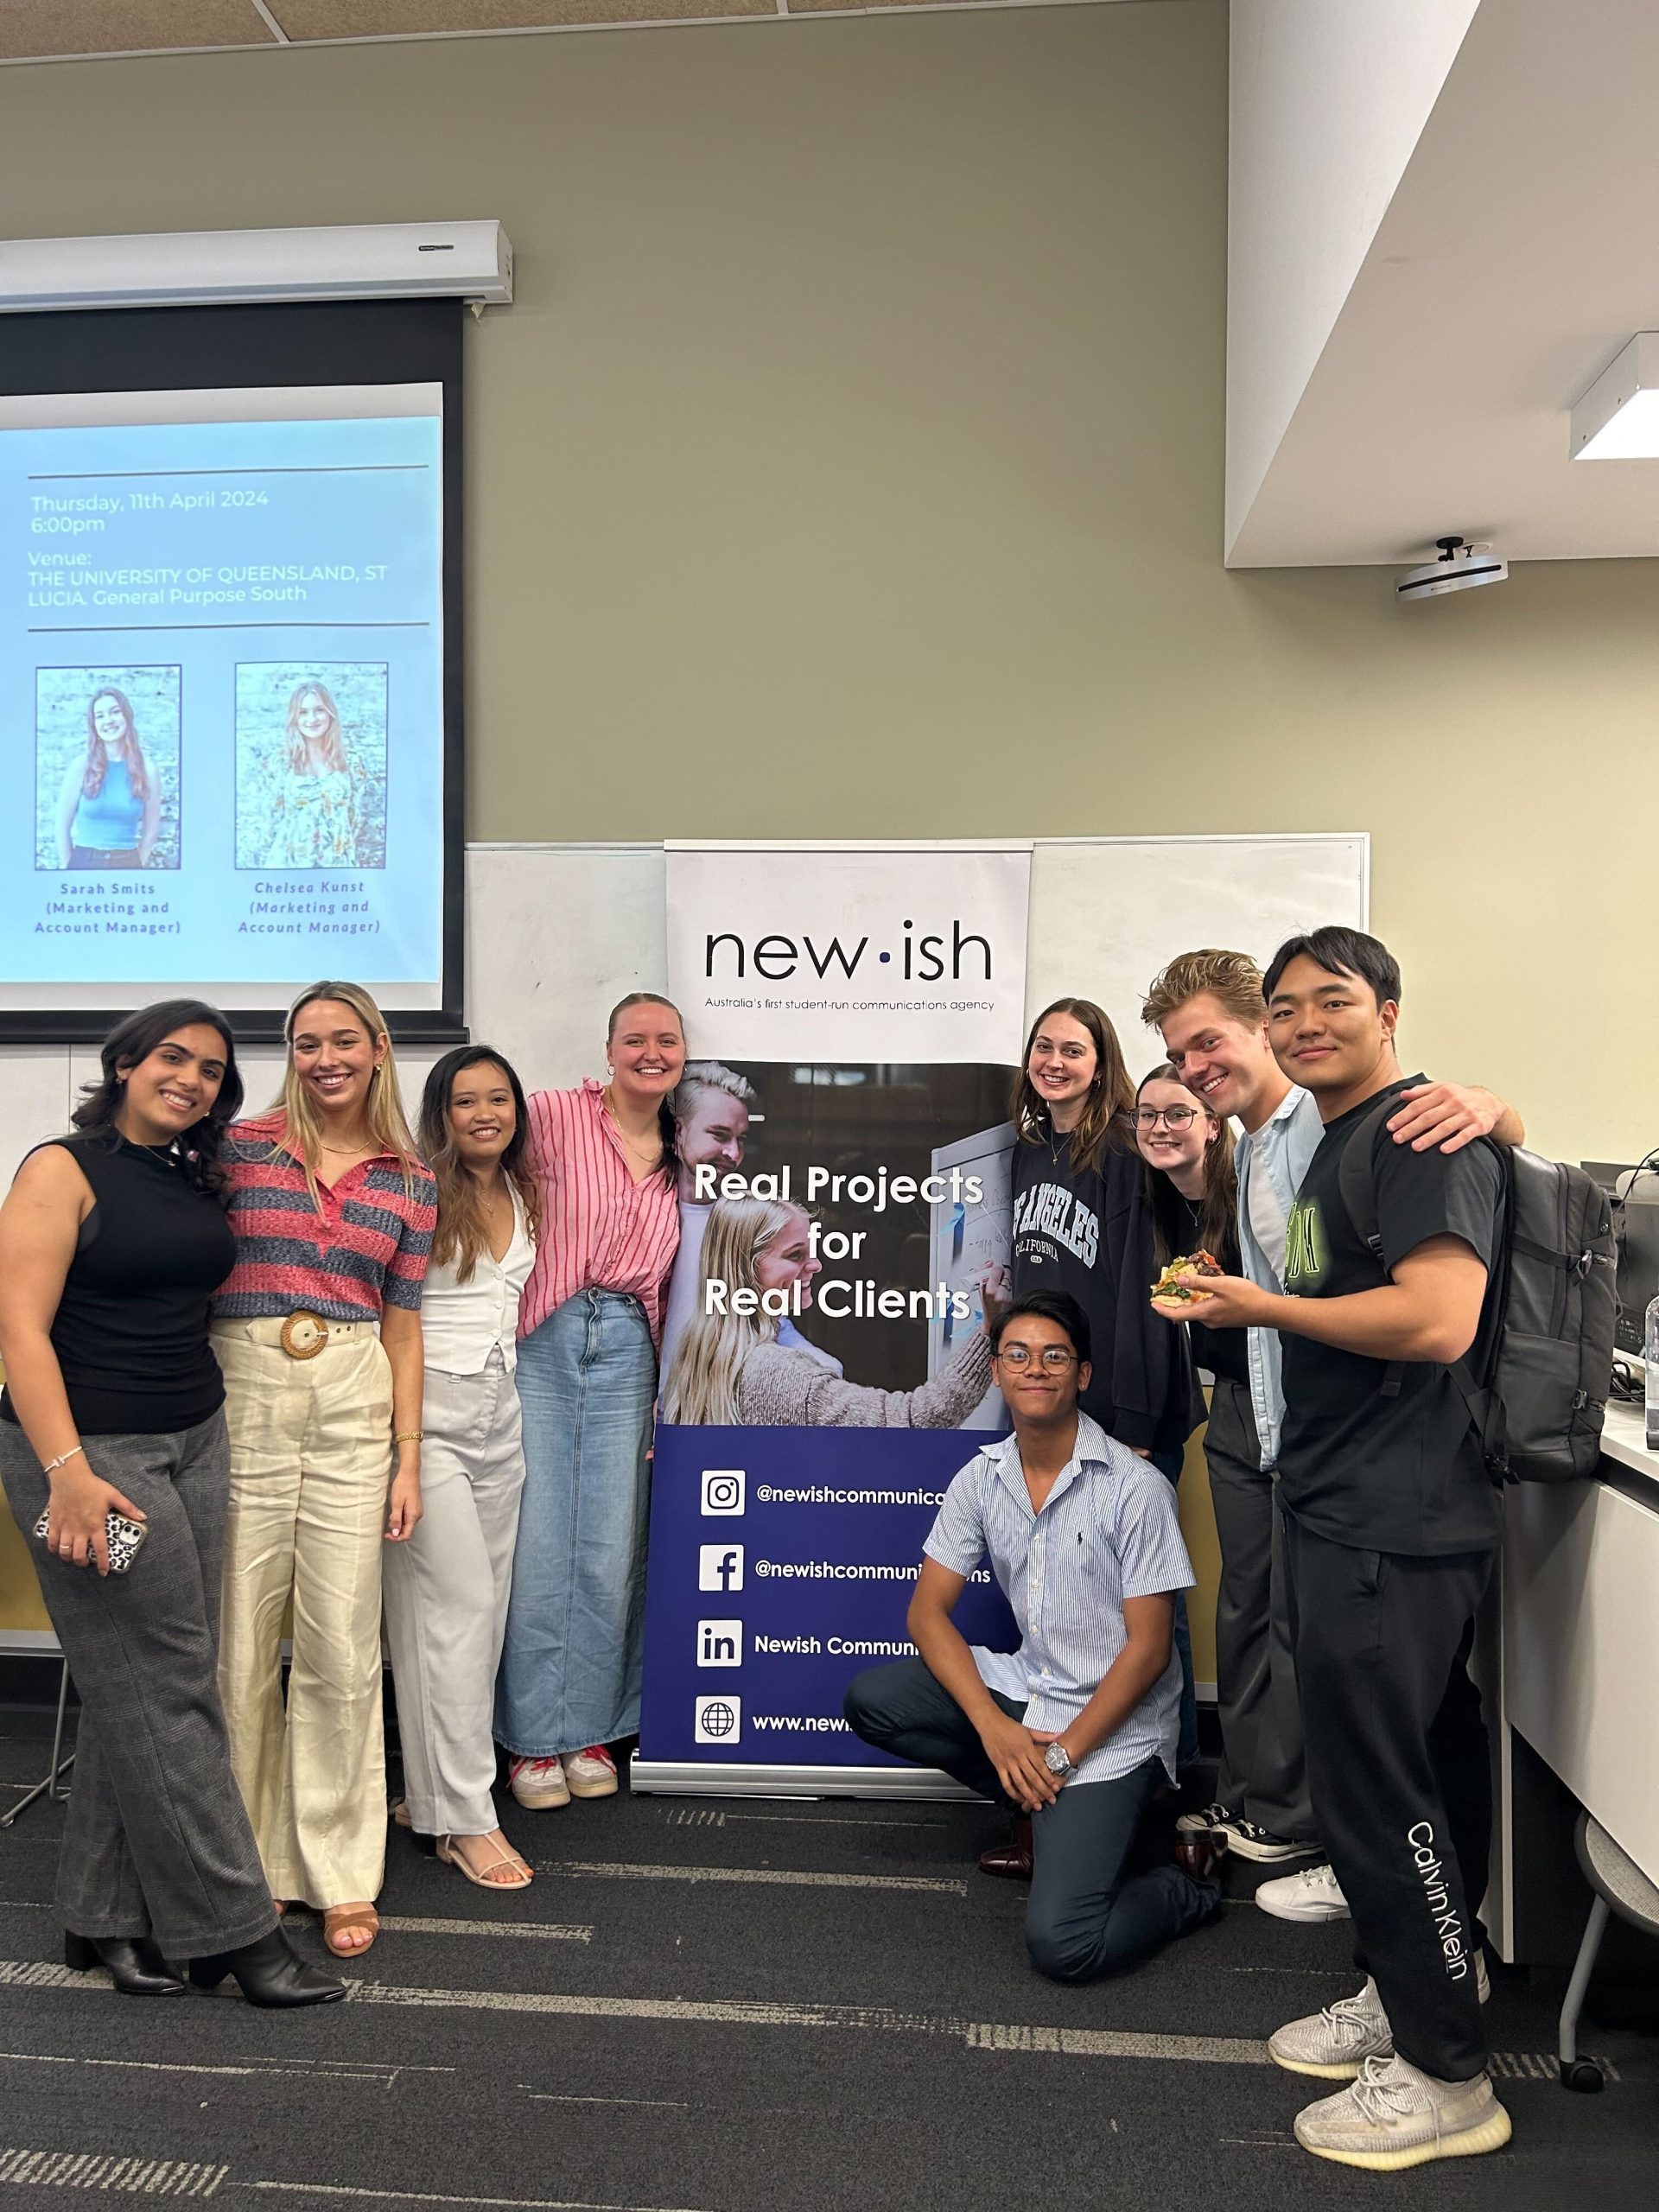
x=108, y=811
x=310, y=775
x=758, y=1371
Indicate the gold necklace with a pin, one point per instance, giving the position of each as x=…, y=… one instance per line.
x=639, y=1151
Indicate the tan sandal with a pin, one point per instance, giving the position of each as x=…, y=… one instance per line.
x=339, y=1918
x=481, y=1877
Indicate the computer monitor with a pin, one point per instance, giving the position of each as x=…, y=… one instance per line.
x=1634, y=1191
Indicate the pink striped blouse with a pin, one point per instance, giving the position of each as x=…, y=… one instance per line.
x=601, y=1229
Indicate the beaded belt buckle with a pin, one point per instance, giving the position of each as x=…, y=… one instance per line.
x=304, y=1335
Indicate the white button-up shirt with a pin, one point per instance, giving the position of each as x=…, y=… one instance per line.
x=462, y=1323
x=1107, y=1531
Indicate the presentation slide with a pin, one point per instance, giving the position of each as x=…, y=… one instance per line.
x=221, y=679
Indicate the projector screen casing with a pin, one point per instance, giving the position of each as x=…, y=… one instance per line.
x=217, y=348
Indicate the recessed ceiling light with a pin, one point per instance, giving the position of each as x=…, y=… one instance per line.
x=1618, y=419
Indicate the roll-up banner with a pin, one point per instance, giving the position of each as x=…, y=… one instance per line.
x=854, y=1016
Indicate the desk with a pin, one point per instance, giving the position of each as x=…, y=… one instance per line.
x=1579, y=1665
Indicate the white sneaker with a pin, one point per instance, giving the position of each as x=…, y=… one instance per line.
x=538, y=1785
x=1314, y=1893
x=1335, y=2044
x=591, y=1773
x=1395, y=2116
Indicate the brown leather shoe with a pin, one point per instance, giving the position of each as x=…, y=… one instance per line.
x=1199, y=1856
x=1010, y=1862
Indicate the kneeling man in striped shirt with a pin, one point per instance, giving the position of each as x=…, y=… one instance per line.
x=1078, y=1728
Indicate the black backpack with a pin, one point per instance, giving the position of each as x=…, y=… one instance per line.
x=1538, y=1412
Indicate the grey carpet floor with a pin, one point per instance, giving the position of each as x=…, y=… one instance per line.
x=738, y=2007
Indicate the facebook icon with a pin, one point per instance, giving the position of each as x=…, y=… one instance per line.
x=719, y=1567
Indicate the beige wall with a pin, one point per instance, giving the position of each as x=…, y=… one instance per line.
x=851, y=463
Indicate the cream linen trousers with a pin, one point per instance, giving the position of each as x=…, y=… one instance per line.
x=447, y=1591
x=310, y=1468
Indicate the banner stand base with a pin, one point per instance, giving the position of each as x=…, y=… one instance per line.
x=700, y=1778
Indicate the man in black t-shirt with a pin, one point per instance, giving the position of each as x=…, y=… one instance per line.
x=1391, y=1529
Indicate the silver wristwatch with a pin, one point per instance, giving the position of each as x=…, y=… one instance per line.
x=1058, y=1760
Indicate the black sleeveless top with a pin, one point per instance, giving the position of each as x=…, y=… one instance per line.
x=130, y=1330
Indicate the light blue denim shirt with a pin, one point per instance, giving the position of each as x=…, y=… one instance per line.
x=1282, y=1149
x=1108, y=1530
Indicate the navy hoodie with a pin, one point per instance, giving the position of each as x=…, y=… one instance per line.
x=1089, y=1231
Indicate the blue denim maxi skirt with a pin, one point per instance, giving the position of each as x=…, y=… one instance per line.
x=571, y=1664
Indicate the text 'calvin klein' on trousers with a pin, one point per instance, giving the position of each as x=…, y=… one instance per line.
x=571, y=1665
x=156, y=1840
x=1400, y=1771
x=310, y=1468
x=447, y=1598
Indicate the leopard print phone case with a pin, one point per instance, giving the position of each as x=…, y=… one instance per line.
x=123, y=1537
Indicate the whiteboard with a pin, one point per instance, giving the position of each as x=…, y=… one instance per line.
x=1106, y=914
x=556, y=933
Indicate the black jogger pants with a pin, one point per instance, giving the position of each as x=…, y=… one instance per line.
x=1400, y=1775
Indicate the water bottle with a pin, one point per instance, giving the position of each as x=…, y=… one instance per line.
x=1651, y=1352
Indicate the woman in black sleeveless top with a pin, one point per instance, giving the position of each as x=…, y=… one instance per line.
x=111, y=1242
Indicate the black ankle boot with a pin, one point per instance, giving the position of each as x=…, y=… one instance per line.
x=136, y=1967
x=269, y=1972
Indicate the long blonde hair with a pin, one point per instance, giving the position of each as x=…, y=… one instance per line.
x=388, y=1127
x=331, y=751
x=702, y=1378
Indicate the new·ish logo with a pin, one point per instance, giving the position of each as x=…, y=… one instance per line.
x=921, y=956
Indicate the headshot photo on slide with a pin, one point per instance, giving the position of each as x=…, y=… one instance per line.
x=311, y=764
x=107, y=767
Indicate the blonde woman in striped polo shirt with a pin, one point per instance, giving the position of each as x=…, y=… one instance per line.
x=318, y=1331
x=589, y=1327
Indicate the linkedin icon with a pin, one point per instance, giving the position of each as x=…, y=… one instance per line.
x=720, y=1643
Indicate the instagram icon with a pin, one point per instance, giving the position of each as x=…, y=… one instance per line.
x=723, y=1489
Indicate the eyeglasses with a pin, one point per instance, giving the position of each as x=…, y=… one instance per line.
x=1176, y=1117
x=1055, y=1357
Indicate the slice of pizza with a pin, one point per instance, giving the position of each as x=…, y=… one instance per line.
x=1171, y=1288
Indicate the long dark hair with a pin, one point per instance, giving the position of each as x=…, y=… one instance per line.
x=1106, y=1110
x=132, y=1041
x=462, y=1233
x=665, y=1123
x=1218, y=1206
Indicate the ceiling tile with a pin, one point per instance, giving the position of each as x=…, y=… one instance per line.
x=41, y=29
x=324, y=19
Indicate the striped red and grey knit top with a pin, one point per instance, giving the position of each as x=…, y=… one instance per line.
x=366, y=1248
x=601, y=1229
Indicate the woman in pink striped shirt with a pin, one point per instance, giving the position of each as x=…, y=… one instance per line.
x=589, y=1331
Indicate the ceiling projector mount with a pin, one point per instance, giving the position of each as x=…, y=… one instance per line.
x=1460, y=567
